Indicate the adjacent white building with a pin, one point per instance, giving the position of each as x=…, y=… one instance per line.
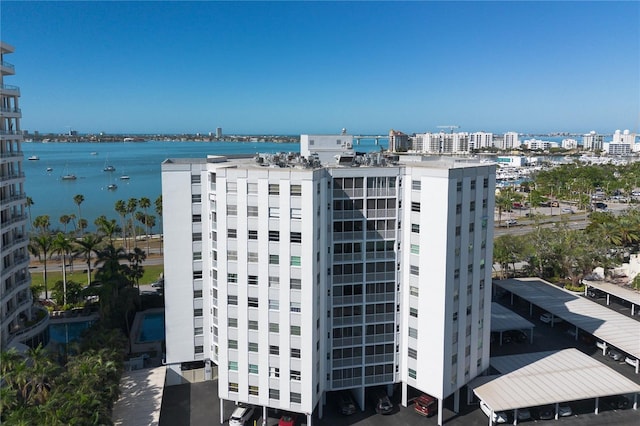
x=398, y=141
x=441, y=143
x=510, y=140
x=20, y=320
x=297, y=277
x=593, y=141
x=479, y=140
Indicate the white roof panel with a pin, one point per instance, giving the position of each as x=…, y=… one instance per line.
x=543, y=378
x=616, y=290
x=503, y=319
x=604, y=323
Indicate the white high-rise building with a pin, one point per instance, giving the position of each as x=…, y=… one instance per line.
x=479, y=140
x=593, y=141
x=20, y=320
x=297, y=278
x=510, y=141
x=441, y=143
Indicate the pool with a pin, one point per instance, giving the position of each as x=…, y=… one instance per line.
x=152, y=328
x=66, y=333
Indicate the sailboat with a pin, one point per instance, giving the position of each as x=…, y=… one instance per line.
x=124, y=176
x=108, y=167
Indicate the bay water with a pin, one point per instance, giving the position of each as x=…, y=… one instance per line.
x=140, y=161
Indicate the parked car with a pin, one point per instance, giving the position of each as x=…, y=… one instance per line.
x=564, y=410
x=425, y=405
x=346, y=405
x=546, y=412
x=600, y=205
x=241, y=415
x=615, y=355
x=567, y=210
x=617, y=402
x=287, y=420
x=510, y=222
x=381, y=401
x=518, y=336
x=498, y=416
x=546, y=318
x=594, y=293
x=524, y=414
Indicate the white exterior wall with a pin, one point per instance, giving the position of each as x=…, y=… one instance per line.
x=326, y=146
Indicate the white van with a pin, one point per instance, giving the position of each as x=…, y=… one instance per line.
x=498, y=416
x=240, y=415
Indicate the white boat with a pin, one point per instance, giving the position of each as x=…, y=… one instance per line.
x=112, y=187
x=34, y=158
x=124, y=177
x=49, y=169
x=108, y=167
x=69, y=177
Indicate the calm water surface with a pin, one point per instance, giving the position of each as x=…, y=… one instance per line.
x=140, y=161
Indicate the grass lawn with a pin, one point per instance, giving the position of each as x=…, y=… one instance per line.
x=151, y=274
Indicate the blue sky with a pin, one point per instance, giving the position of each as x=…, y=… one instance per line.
x=316, y=67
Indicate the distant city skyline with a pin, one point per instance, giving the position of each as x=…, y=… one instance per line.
x=316, y=67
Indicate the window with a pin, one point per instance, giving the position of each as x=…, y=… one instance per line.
x=197, y=294
x=413, y=290
x=232, y=255
x=253, y=302
x=413, y=312
x=274, y=281
x=473, y=185
x=296, y=190
x=253, y=369
x=415, y=227
x=196, y=218
x=232, y=187
x=274, y=327
x=412, y=373
x=415, y=249
x=253, y=325
x=233, y=387
x=252, y=188
x=296, y=213
x=295, y=353
x=274, y=393
x=252, y=257
x=197, y=255
x=295, y=330
x=295, y=260
x=253, y=235
x=232, y=278
x=195, y=178
x=296, y=397
x=233, y=365
x=252, y=211
x=295, y=375
x=414, y=270
x=233, y=322
x=296, y=237
x=413, y=353
x=197, y=312
x=296, y=284
x=295, y=307
x=197, y=275
x=274, y=189
x=415, y=207
x=274, y=259
x=232, y=210
x=274, y=212
x=455, y=316
x=472, y=206
x=275, y=350
x=253, y=347
x=458, y=186
x=274, y=235
x=196, y=198
x=197, y=236
x=415, y=185
x=254, y=390
x=233, y=344
x=232, y=300
x=413, y=332
x=274, y=304
x=458, y=208
x=252, y=280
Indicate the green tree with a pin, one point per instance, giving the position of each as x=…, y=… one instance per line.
x=132, y=205
x=136, y=259
x=62, y=246
x=40, y=245
x=29, y=203
x=42, y=223
x=86, y=246
x=79, y=199
x=64, y=220
x=121, y=208
x=107, y=227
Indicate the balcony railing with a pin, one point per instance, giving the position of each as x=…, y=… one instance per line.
x=13, y=154
x=17, y=110
x=10, y=87
x=8, y=65
x=35, y=328
x=12, y=176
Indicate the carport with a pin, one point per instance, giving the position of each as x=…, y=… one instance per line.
x=549, y=378
x=614, y=290
x=503, y=319
x=611, y=327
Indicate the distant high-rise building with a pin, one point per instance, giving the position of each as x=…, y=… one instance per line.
x=298, y=277
x=479, y=140
x=510, y=141
x=20, y=320
x=624, y=137
x=441, y=143
x=569, y=143
x=398, y=141
x=218, y=132
x=593, y=141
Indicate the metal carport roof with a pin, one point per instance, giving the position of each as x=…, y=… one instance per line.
x=503, y=319
x=616, y=290
x=543, y=378
x=604, y=323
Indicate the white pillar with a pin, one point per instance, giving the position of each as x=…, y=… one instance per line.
x=557, y=409
x=359, y=394
x=515, y=416
x=264, y=415
x=308, y=419
x=456, y=401
x=404, y=394
x=608, y=296
x=221, y=411
x=440, y=410
x=597, y=405
x=635, y=401
x=633, y=309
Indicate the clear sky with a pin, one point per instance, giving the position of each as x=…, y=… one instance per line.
x=316, y=67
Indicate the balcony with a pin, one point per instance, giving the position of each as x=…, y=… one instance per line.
x=29, y=329
x=7, y=68
x=12, y=155
x=9, y=89
x=10, y=111
x=12, y=176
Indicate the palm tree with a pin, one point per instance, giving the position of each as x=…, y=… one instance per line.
x=136, y=258
x=78, y=199
x=62, y=245
x=64, y=220
x=40, y=246
x=144, y=204
x=107, y=227
x=88, y=244
x=42, y=223
x=132, y=205
x=158, y=204
x=121, y=209
x=29, y=203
